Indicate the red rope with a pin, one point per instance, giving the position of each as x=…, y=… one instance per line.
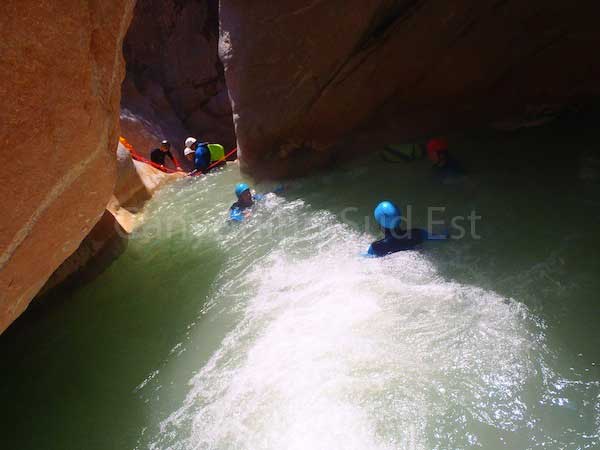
x=216, y=163
x=153, y=164
x=135, y=155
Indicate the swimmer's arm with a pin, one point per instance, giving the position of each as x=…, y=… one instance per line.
x=278, y=190
x=236, y=215
x=370, y=253
x=444, y=235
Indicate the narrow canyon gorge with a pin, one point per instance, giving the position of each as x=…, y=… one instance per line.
x=294, y=84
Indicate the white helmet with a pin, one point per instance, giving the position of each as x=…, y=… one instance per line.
x=188, y=151
x=189, y=142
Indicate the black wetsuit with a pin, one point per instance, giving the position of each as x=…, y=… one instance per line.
x=449, y=172
x=397, y=241
x=157, y=156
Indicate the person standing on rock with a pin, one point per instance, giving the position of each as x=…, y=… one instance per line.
x=199, y=153
x=158, y=155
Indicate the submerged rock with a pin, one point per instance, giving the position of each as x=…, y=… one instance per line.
x=61, y=70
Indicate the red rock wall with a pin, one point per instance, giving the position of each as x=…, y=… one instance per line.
x=60, y=81
x=175, y=85
x=304, y=75
x=105, y=242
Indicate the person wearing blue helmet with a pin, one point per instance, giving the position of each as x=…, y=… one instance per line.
x=240, y=209
x=389, y=218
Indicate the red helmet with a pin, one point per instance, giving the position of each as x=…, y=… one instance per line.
x=435, y=146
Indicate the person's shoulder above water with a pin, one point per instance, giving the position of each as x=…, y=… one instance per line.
x=236, y=205
x=389, y=218
x=450, y=165
x=240, y=209
x=245, y=200
x=445, y=167
x=397, y=241
x=236, y=213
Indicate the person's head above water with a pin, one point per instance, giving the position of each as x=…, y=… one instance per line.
x=388, y=215
x=242, y=192
x=437, y=150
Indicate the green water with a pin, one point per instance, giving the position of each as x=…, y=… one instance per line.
x=276, y=334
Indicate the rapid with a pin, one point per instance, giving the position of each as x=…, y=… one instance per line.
x=277, y=334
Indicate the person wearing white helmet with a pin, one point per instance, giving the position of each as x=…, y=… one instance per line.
x=189, y=142
x=197, y=152
x=189, y=152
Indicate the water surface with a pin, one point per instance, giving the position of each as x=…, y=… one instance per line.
x=277, y=334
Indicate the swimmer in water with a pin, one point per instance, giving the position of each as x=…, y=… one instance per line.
x=246, y=199
x=396, y=239
x=241, y=209
x=447, y=169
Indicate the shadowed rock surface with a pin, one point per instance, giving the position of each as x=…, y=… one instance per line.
x=61, y=71
x=305, y=75
x=175, y=84
x=136, y=183
x=97, y=251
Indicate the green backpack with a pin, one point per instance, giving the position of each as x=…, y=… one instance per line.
x=217, y=152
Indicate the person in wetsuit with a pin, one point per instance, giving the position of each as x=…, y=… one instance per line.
x=241, y=209
x=446, y=168
x=396, y=239
x=199, y=153
x=159, y=155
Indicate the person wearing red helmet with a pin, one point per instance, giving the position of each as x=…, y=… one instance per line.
x=444, y=165
x=437, y=151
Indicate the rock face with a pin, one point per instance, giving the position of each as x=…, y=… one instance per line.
x=97, y=251
x=136, y=182
x=175, y=83
x=129, y=189
x=61, y=71
x=304, y=75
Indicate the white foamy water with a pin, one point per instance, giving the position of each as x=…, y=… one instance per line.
x=276, y=334
x=331, y=350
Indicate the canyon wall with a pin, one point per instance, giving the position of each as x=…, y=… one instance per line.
x=312, y=80
x=61, y=72
x=175, y=85
x=309, y=81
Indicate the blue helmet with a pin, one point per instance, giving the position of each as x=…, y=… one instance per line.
x=388, y=215
x=240, y=188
